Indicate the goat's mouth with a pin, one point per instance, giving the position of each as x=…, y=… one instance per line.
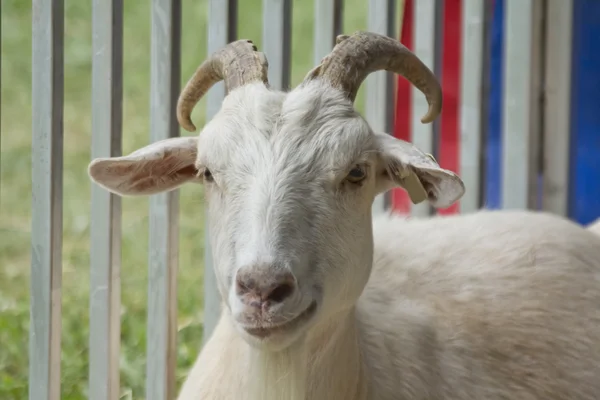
x=262, y=332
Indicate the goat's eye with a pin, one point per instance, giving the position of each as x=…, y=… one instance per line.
x=207, y=175
x=356, y=174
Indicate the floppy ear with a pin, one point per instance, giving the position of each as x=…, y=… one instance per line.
x=161, y=166
x=418, y=173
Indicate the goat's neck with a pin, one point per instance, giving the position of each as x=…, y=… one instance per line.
x=326, y=365
x=336, y=369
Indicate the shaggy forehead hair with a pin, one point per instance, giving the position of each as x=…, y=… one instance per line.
x=310, y=130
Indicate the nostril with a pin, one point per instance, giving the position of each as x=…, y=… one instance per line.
x=240, y=287
x=280, y=293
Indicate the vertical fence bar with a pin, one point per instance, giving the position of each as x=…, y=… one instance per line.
x=536, y=84
x=557, y=113
x=277, y=41
x=486, y=92
x=222, y=29
x=47, y=192
x=328, y=24
x=0, y=99
x=448, y=134
x=471, y=100
x=493, y=120
x=164, y=208
x=427, y=20
x=403, y=122
x=105, y=228
x=379, y=106
x=516, y=109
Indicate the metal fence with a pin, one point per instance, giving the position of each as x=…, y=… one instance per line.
x=505, y=68
x=531, y=46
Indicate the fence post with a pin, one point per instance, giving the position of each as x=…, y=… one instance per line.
x=277, y=41
x=557, y=113
x=427, y=21
x=379, y=105
x=471, y=99
x=222, y=29
x=164, y=207
x=0, y=89
x=46, y=201
x=328, y=24
x=105, y=228
x=517, y=103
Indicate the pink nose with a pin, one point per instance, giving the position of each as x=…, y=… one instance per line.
x=262, y=287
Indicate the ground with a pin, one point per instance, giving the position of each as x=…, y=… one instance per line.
x=15, y=189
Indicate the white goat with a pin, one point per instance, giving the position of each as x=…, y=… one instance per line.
x=595, y=226
x=322, y=303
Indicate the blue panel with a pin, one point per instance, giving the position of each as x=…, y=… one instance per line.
x=584, y=192
x=493, y=166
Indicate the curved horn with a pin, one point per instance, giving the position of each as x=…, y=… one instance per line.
x=354, y=57
x=238, y=64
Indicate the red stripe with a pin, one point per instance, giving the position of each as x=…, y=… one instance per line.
x=451, y=63
x=402, y=124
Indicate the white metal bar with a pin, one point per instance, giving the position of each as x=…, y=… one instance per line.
x=516, y=108
x=0, y=102
x=222, y=15
x=471, y=100
x=277, y=41
x=47, y=193
x=536, y=83
x=379, y=106
x=328, y=24
x=427, y=15
x=105, y=229
x=559, y=21
x=164, y=207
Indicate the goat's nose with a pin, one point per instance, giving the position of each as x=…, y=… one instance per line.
x=263, y=286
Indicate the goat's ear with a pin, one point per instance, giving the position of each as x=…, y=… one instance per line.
x=418, y=173
x=161, y=166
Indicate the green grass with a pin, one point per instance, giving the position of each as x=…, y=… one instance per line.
x=15, y=190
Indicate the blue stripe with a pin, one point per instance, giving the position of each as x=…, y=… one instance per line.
x=584, y=191
x=493, y=161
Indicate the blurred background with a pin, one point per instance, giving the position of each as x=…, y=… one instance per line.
x=561, y=173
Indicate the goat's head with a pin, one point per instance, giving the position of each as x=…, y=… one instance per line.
x=289, y=180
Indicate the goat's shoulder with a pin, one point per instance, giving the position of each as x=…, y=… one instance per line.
x=456, y=294
x=500, y=242
x=483, y=255
x=594, y=226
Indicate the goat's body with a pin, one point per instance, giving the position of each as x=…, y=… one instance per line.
x=492, y=305
x=595, y=226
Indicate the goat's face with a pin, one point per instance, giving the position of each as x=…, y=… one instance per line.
x=290, y=179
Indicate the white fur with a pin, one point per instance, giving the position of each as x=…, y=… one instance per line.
x=491, y=305
x=595, y=226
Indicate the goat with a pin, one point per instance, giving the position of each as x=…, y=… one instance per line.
x=594, y=226
x=322, y=301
